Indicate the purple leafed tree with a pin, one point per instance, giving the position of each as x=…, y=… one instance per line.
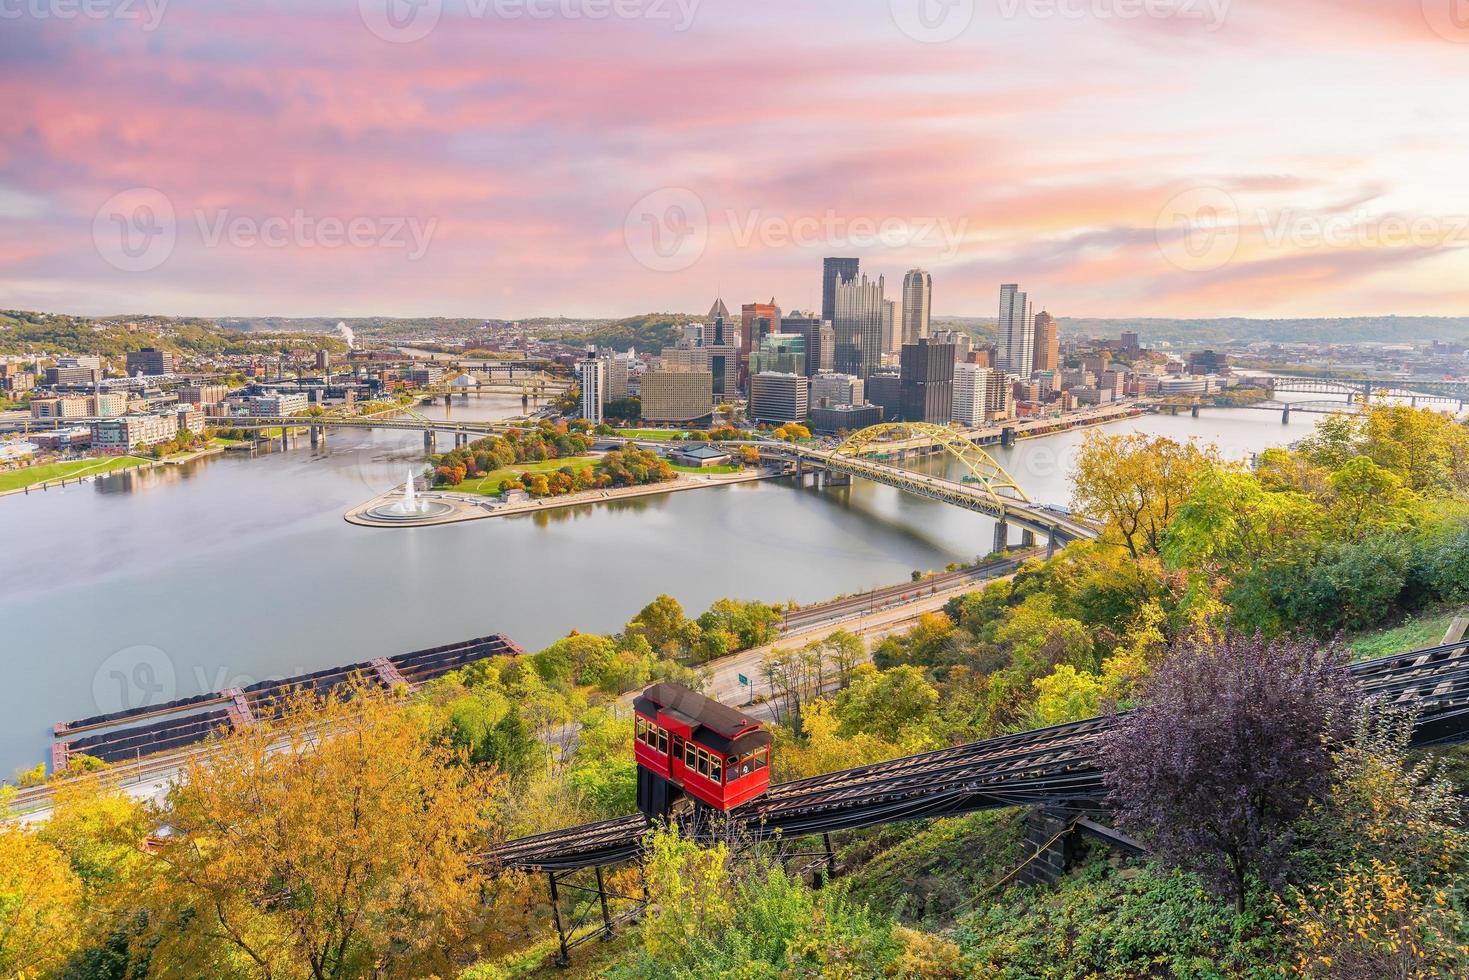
x=1233, y=741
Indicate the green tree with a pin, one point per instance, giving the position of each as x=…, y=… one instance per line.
x=663, y=624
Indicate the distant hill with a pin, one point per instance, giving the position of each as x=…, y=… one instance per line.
x=1362, y=329
x=23, y=331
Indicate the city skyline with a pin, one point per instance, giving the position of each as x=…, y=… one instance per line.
x=524, y=159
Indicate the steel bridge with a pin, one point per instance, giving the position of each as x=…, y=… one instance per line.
x=463, y=432
x=986, y=487
x=1058, y=768
x=1366, y=388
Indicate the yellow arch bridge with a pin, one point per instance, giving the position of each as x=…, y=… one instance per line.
x=985, y=486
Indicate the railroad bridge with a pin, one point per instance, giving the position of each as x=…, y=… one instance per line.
x=1366, y=389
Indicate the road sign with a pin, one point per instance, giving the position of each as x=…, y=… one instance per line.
x=744, y=680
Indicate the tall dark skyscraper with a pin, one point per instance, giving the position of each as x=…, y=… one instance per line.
x=927, y=380
x=832, y=272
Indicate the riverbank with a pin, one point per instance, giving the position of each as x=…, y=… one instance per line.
x=58, y=475
x=471, y=507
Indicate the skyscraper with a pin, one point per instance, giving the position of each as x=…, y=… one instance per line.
x=593, y=372
x=718, y=317
x=917, y=301
x=834, y=271
x=1047, y=343
x=1017, y=332
x=860, y=309
x=892, y=327
x=615, y=371
x=808, y=325
x=927, y=382
x=756, y=320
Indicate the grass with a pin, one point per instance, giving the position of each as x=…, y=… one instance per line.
x=489, y=484
x=45, y=473
x=733, y=468
x=662, y=435
x=1424, y=630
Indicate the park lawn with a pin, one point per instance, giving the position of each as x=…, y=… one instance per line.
x=489, y=484
x=657, y=435
x=30, y=476
x=1424, y=630
x=732, y=468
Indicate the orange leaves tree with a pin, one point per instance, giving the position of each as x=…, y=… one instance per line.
x=334, y=840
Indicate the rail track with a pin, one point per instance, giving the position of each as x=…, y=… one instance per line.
x=1058, y=767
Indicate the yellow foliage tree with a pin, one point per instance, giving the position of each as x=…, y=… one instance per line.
x=40, y=905
x=334, y=840
x=1066, y=694
x=1134, y=484
x=690, y=894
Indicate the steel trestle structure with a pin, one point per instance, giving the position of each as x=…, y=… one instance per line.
x=1057, y=768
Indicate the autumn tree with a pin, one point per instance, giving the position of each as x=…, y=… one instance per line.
x=663, y=624
x=1229, y=748
x=40, y=905
x=1134, y=484
x=334, y=840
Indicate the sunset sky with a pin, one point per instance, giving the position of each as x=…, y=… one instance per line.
x=1209, y=158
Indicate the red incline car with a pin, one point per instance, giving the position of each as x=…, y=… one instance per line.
x=688, y=745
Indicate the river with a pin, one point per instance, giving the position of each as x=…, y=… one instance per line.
x=146, y=586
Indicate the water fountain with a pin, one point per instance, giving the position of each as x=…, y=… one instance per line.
x=410, y=506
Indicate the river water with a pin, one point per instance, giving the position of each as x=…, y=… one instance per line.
x=143, y=587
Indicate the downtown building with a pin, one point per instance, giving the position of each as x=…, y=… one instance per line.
x=858, y=324
x=1017, y=332
x=783, y=353
x=122, y=434
x=917, y=305
x=677, y=396
x=834, y=272
x=981, y=395
x=1047, y=344
x=592, y=373
x=829, y=390
x=926, y=382
x=779, y=396
x=150, y=361
x=819, y=338
x=756, y=320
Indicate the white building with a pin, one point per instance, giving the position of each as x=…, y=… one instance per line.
x=971, y=387
x=829, y=390
x=122, y=434
x=277, y=405
x=593, y=373
x=1017, y=332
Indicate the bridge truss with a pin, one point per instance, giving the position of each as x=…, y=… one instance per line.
x=984, y=470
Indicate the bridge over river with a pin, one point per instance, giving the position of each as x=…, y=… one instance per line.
x=985, y=488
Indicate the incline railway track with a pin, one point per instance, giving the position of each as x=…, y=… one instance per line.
x=1056, y=767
